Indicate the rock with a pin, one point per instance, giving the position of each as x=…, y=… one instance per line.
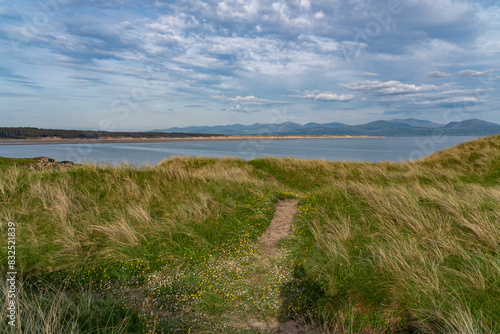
x=49, y=163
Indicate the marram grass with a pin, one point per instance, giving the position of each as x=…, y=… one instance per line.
x=374, y=248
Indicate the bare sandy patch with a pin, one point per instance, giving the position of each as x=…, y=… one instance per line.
x=279, y=227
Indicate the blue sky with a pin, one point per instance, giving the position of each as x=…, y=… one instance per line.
x=141, y=65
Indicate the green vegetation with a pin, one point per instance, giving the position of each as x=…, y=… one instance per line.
x=36, y=133
x=6, y=162
x=374, y=248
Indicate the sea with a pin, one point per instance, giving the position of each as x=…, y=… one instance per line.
x=333, y=149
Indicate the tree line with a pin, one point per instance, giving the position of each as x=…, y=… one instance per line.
x=36, y=133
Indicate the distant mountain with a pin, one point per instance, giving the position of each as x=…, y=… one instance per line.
x=251, y=130
x=328, y=125
x=381, y=126
x=472, y=124
x=376, y=128
x=206, y=129
x=416, y=123
x=409, y=127
x=238, y=129
x=471, y=127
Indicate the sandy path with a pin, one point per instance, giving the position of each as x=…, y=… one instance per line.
x=279, y=227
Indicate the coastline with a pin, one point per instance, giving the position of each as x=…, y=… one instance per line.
x=51, y=141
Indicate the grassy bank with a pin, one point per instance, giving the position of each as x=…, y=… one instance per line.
x=374, y=248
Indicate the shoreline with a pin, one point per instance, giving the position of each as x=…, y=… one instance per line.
x=50, y=141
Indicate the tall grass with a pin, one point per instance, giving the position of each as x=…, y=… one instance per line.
x=91, y=215
x=101, y=230
x=53, y=310
x=415, y=248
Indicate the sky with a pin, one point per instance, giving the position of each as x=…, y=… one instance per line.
x=142, y=65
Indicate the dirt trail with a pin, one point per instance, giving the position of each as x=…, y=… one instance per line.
x=261, y=283
x=279, y=227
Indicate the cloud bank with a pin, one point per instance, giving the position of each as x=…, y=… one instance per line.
x=139, y=64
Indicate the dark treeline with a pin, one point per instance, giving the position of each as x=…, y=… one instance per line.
x=35, y=133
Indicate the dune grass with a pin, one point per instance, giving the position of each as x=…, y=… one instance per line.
x=375, y=248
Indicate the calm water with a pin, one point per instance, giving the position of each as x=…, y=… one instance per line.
x=343, y=149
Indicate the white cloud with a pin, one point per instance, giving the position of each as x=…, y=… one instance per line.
x=239, y=109
x=235, y=9
x=319, y=15
x=168, y=23
x=392, y=87
x=438, y=75
x=306, y=4
x=333, y=97
x=451, y=93
x=472, y=73
x=249, y=100
x=451, y=101
x=322, y=44
x=324, y=96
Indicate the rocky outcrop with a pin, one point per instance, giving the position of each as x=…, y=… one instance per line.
x=48, y=163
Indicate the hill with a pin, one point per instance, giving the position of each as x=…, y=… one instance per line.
x=394, y=128
x=416, y=123
x=254, y=129
x=183, y=246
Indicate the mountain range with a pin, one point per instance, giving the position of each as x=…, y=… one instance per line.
x=408, y=127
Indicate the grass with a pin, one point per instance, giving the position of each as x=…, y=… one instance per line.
x=56, y=310
x=6, y=162
x=408, y=247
